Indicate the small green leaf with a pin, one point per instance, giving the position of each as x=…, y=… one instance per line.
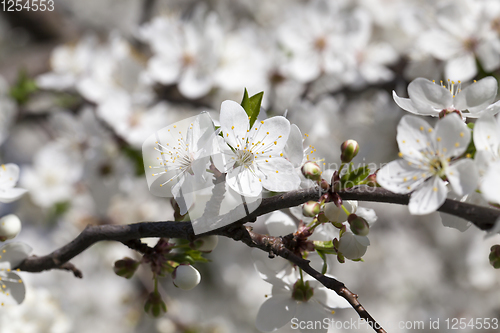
x=252, y=105
x=136, y=156
x=355, y=177
x=23, y=88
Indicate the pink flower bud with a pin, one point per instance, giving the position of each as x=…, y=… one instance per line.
x=349, y=149
x=311, y=209
x=311, y=170
x=359, y=226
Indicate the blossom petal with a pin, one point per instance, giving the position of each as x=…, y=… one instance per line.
x=462, y=67
x=455, y=222
x=486, y=134
x=352, y=246
x=12, y=289
x=271, y=134
x=275, y=313
x=477, y=96
x=463, y=176
x=423, y=91
x=429, y=197
x=312, y=312
x=278, y=174
x=9, y=175
x=233, y=122
x=269, y=268
x=244, y=181
x=14, y=253
x=418, y=109
x=452, y=136
x=329, y=298
x=400, y=176
x=414, y=135
x=11, y=194
x=293, y=150
x=489, y=188
x=280, y=224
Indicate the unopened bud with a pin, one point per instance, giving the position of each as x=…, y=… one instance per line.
x=126, y=267
x=311, y=208
x=154, y=305
x=311, y=170
x=349, y=149
x=206, y=243
x=10, y=226
x=359, y=226
x=186, y=277
x=495, y=256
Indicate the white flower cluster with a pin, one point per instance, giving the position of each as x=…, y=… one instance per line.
x=188, y=154
x=433, y=158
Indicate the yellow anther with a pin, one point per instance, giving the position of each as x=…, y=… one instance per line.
x=435, y=189
x=400, y=154
x=438, y=138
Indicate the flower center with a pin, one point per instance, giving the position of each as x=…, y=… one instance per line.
x=244, y=158
x=320, y=44
x=302, y=292
x=437, y=166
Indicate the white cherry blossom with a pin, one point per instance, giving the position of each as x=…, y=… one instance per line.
x=9, y=175
x=256, y=160
x=12, y=289
x=281, y=307
x=430, y=99
x=176, y=157
x=427, y=162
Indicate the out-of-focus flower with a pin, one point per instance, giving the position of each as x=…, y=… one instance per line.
x=39, y=313
x=459, y=47
x=12, y=289
x=56, y=168
x=313, y=37
x=426, y=162
x=256, y=160
x=69, y=64
x=8, y=107
x=185, y=52
x=430, y=99
x=9, y=174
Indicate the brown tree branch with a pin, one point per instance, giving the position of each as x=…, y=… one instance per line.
x=483, y=217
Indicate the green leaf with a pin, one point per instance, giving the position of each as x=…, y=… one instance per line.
x=251, y=105
x=23, y=88
x=197, y=256
x=136, y=156
x=355, y=177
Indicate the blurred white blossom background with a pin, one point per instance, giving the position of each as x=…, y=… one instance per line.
x=82, y=87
